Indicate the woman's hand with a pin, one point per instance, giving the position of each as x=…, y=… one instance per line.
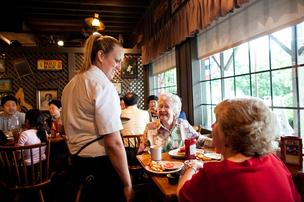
x=191, y=167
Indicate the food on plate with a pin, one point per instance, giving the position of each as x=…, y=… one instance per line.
x=156, y=166
x=201, y=156
x=181, y=150
x=168, y=165
x=160, y=166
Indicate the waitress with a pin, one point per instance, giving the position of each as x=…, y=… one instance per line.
x=90, y=106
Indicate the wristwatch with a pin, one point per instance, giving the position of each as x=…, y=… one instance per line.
x=187, y=165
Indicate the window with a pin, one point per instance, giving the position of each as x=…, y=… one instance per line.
x=164, y=82
x=270, y=67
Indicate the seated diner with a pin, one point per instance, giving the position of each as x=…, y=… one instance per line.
x=168, y=131
x=249, y=171
x=54, y=122
x=10, y=118
x=34, y=133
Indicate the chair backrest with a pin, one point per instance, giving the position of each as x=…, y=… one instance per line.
x=132, y=143
x=298, y=180
x=25, y=167
x=291, y=151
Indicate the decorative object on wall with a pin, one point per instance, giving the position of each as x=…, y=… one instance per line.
x=129, y=67
x=135, y=85
x=44, y=96
x=22, y=67
x=118, y=87
x=24, y=105
x=49, y=65
x=6, y=85
x=30, y=83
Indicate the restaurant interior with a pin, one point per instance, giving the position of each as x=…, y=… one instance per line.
x=204, y=51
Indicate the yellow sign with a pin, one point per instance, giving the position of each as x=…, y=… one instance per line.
x=49, y=65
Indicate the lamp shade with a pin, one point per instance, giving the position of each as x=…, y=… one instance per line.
x=95, y=22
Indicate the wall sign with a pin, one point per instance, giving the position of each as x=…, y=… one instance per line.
x=49, y=65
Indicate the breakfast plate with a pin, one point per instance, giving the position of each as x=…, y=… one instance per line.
x=164, y=167
x=181, y=155
x=214, y=156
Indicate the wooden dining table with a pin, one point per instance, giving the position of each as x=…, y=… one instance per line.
x=160, y=180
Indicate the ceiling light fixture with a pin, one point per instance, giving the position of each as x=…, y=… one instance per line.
x=95, y=22
x=60, y=43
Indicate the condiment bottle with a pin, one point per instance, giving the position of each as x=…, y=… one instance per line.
x=53, y=130
x=190, y=146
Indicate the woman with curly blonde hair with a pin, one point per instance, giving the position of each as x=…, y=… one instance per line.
x=249, y=171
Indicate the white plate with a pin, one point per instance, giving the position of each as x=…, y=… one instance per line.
x=176, y=167
x=175, y=154
x=214, y=156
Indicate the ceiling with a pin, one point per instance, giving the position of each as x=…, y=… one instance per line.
x=43, y=22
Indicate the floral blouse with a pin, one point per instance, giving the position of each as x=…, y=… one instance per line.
x=157, y=134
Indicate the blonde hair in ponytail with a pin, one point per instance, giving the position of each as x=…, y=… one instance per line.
x=95, y=43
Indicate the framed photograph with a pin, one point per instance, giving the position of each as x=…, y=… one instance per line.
x=118, y=87
x=129, y=68
x=6, y=85
x=291, y=150
x=49, y=65
x=44, y=97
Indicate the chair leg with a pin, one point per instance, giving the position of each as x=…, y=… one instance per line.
x=41, y=198
x=79, y=193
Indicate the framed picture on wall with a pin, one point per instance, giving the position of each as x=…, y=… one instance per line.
x=291, y=150
x=129, y=68
x=6, y=85
x=44, y=96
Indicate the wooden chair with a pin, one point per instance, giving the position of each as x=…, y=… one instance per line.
x=298, y=180
x=132, y=143
x=137, y=173
x=291, y=151
x=18, y=174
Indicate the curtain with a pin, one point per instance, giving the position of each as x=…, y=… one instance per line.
x=193, y=16
x=164, y=62
x=256, y=19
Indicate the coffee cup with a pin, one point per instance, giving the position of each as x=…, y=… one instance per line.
x=156, y=152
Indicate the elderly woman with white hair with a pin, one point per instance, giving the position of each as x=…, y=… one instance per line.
x=249, y=171
x=166, y=131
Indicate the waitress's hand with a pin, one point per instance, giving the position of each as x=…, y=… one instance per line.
x=128, y=192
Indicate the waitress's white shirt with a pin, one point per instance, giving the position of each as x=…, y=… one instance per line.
x=90, y=107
